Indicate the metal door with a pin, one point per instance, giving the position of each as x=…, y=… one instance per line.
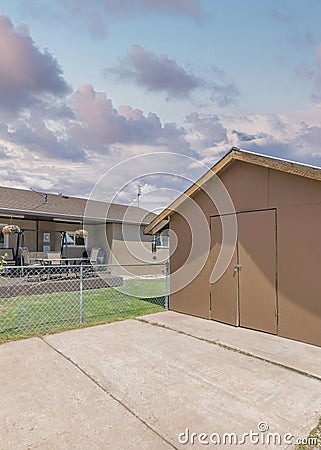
x=246, y=294
x=223, y=293
x=257, y=274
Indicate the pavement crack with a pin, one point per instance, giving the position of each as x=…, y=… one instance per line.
x=101, y=387
x=231, y=348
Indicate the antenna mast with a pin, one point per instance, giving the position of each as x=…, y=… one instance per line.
x=139, y=193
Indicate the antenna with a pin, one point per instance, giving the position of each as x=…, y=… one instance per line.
x=45, y=194
x=139, y=193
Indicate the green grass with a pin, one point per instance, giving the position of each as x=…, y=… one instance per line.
x=315, y=434
x=47, y=313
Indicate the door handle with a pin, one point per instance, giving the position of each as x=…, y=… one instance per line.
x=237, y=267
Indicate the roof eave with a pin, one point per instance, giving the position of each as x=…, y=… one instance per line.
x=63, y=217
x=235, y=154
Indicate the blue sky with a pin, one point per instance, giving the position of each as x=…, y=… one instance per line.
x=86, y=85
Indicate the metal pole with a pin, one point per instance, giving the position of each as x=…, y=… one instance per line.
x=166, y=305
x=80, y=297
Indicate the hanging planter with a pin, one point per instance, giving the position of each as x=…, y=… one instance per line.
x=81, y=233
x=10, y=229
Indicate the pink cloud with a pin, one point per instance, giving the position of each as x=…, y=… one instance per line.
x=98, y=124
x=25, y=72
x=156, y=73
x=208, y=130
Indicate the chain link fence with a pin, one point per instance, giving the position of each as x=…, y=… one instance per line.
x=36, y=300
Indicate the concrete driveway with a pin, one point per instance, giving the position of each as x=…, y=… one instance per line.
x=151, y=383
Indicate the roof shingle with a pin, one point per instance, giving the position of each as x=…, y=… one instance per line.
x=26, y=202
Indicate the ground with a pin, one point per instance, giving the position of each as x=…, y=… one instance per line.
x=149, y=383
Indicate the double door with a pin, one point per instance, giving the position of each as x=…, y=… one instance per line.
x=246, y=294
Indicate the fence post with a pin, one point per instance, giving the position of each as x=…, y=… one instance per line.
x=80, y=296
x=166, y=305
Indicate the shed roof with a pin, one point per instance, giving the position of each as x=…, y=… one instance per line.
x=29, y=203
x=234, y=154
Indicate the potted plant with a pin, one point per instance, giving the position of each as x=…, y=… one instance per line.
x=81, y=233
x=10, y=229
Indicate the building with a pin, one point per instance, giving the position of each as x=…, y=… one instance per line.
x=44, y=218
x=271, y=276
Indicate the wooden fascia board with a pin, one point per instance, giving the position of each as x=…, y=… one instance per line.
x=290, y=167
x=189, y=192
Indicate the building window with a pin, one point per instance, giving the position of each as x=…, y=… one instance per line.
x=73, y=240
x=161, y=241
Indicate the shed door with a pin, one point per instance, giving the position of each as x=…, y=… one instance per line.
x=248, y=287
x=223, y=293
x=257, y=274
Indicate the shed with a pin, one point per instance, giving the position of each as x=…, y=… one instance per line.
x=271, y=279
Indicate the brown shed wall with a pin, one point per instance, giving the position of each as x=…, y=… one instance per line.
x=297, y=201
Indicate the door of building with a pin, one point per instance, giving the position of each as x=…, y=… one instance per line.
x=246, y=294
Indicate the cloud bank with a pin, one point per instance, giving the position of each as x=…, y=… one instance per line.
x=26, y=73
x=52, y=138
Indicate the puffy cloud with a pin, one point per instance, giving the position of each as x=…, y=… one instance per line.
x=68, y=141
x=99, y=125
x=206, y=130
x=224, y=94
x=49, y=149
x=285, y=136
x=26, y=73
x=33, y=136
x=244, y=137
x=308, y=139
x=162, y=74
x=156, y=73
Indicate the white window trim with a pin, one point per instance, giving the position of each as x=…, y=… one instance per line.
x=162, y=238
x=74, y=245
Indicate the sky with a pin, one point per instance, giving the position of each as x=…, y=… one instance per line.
x=88, y=89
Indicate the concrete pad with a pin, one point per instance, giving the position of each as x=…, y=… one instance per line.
x=299, y=356
x=47, y=403
x=175, y=382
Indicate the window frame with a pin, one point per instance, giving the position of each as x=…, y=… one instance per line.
x=72, y=235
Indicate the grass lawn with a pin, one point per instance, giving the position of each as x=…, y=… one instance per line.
x=315, y=435
x=46, y=313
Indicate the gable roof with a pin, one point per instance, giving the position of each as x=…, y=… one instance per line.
x=28, y=203
x=234, y=154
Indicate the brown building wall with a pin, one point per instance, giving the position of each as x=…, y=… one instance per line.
x=297, y=201
x=193, y=297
